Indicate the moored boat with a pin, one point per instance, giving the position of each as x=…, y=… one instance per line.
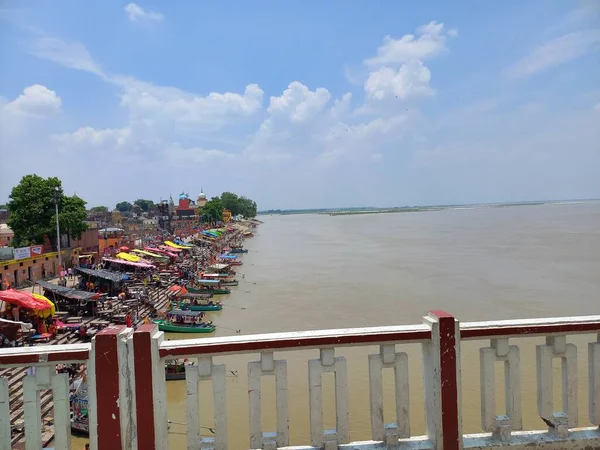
x=208, y=290
x=190, y=303
x=238, y=250
x=175, y=370
x=180, y=321
x=230, y=283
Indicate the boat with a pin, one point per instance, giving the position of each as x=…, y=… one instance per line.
x=208, y=287
x=230, y=283
x=193, y=304
x=238, y=250
x=80, y=422
x=180, y=321
x=208, y=290
x=175, y=370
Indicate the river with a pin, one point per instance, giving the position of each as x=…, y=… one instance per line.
x=307, y=272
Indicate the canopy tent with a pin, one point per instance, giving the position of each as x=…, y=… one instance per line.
x=115, y=277
x=152, y=255
x=177, y=246
x=179, y=290
x=170, y=249
x=128, y=257
x=142, y=265
x=162, y=251
x=70, y=293
x=24, y=300
x=46, y=312
x=183, y=244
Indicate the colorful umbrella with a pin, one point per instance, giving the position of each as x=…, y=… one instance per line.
x=46, y=312
x=24, y=300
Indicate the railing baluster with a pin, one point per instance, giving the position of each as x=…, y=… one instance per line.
x=388, y=358
x=594, y=380
x=206, y=370
x=62, y=424
x=278, y=368
x=557, y=347
x=330, y=439
x=32, y=412
x=192, y=410
x=500, y=426
x=5, y=435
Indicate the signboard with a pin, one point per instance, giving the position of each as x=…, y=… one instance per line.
x=22, y=253
x=36, y=250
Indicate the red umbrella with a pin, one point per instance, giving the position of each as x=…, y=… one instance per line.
x=24, y=300
x=123, y=249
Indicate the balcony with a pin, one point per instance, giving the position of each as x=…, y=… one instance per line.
x=128, y=391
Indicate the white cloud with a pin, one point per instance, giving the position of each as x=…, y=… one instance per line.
x=398, y=71
x=35, y=101
x=411, y=80
x=136, y=13
x=72, y=55
x=177, y=155
x=146, y=101
x=298, y=102
x=556, y=52
x=88, y=136
x=431, y=41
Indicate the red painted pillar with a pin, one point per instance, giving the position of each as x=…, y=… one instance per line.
x=106, y=361
x=144, y=391
x=443, y=360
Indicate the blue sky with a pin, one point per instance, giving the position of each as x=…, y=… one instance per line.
x=301, y=104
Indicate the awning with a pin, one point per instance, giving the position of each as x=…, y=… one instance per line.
x=24, y=299
x=70, y=293
x=115, y=277
x=129, y=263
x=128, y=257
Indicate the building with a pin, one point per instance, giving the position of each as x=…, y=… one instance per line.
x=6, y=235
x=88, y=242
x=202, y=200
x=186, y=209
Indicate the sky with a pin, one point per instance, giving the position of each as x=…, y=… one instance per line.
x=303, y=103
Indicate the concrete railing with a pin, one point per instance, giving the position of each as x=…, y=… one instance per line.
x=128, y=402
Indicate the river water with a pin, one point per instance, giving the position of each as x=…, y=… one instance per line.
x=308, y=272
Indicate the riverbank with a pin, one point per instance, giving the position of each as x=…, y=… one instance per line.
x=158, y=293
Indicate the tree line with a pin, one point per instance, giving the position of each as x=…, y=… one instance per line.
x=238, y=205
x=32, y=211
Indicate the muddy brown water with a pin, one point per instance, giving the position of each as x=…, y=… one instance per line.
x=310, y=272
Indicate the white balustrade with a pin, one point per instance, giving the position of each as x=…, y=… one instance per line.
x=329, y=439
x=594, y=380
x=557, y=347
x=268, y=366
x=388, y=358
x=500, y=426
x=440, y=339
x=206, y=371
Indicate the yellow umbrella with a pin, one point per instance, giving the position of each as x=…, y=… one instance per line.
x=128, y=257
x=46, y=312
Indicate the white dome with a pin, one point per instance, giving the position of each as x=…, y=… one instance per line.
x=202, y=195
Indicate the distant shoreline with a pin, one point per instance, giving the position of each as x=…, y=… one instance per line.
x=408, y=209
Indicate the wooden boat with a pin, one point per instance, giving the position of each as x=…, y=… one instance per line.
x=208, y=287
x=200, y=306
x=230, y=283
x=238, y=250
x=179, y=321
x=175, y=370
x=79, y=410
x=208, y=290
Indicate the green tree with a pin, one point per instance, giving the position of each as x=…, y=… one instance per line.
x=231, y=202
x=71, y=216
x=213, y=210
x=124, y=207
x=247, y=207
x=145, y=205
x=99, y=209
x=32, y=210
